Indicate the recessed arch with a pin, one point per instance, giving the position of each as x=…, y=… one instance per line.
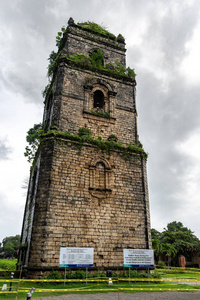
x=94, y=162
x=90, y=82
x=100, y=177
x=98, y=99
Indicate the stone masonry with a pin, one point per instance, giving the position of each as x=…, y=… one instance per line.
x=80, y=195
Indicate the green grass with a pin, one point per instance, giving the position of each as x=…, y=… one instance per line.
x=180, y=274
x=172, y=279
x=50, y=288
x=8, y=263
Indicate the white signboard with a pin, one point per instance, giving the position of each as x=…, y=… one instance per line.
x=139, y=258
x=76, y=257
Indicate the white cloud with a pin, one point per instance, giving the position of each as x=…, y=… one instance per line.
x=191, y=64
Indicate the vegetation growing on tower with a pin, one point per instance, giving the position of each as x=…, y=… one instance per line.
x=37, y=135
x=97, y=28
x=93, y=62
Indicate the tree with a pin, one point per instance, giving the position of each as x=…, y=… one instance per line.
x=170, y=251
x=155, y=234
x=175, y=227
x=182, y=238
x=11, y=245
x=157, y=246
x=174, y=241
x=33, y=139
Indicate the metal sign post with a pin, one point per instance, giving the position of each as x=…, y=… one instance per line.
x=65, y=276
x=86, y=275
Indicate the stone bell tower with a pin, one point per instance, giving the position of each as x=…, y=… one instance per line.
x=88, y=183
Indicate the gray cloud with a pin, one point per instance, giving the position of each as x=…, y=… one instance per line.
x=4, y=150
x=10, y=217
x=171, y=31
x=165, y=121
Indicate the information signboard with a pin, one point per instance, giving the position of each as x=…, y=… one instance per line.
x=76, y=257
x=138, y=258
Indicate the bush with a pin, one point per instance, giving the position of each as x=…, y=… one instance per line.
x=54, y=275
x=79, y=274
x=155, y=274
x=84, y=131
x=161, y=264
x=134, y=274
x=8, y=263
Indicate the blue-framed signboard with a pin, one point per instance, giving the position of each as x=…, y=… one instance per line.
x=138, y=258
x=76, y=257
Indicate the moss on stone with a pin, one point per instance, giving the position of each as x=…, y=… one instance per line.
x=101, y=114
x=97, y=29
x=107, y=146
x=85, y=62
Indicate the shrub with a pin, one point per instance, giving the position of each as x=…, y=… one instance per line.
x=84, y=131
x=97, y=59
x=54, y=275
x=161, y=264
x=113, y=137
x=8, y=263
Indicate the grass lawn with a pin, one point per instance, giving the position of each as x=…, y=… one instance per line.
x=180, y=274
x=50, y=288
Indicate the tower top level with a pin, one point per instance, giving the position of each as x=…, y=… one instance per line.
x=79, y=35
x=91, y=86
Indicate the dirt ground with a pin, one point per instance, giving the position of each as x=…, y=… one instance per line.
x=126, y=296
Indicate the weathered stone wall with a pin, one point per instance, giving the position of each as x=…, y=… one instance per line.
x=72, y=211
x=70, y=111
x=29, y=214
x=80, y=41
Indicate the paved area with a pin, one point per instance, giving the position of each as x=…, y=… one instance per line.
x=126, y=296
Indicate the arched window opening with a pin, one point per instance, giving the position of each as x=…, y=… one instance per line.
x=100, y=181
x=98, y=99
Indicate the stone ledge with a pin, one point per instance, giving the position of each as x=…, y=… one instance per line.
x=91, y=115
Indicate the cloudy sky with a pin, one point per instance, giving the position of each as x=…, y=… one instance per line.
x=163, y=46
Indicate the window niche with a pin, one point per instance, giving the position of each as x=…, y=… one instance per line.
x=100, y=178
x=99, y=100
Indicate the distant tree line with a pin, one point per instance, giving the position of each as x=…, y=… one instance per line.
x=10, y=246
x=175, y=240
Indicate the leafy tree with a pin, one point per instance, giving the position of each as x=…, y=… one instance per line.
x=33, y=139
x=174, y=241
x=11, y=245
x=170, y=251
x=1, y=248
x=176, y=226
x=155, y=234
x=182, y=238
x=157, y=246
